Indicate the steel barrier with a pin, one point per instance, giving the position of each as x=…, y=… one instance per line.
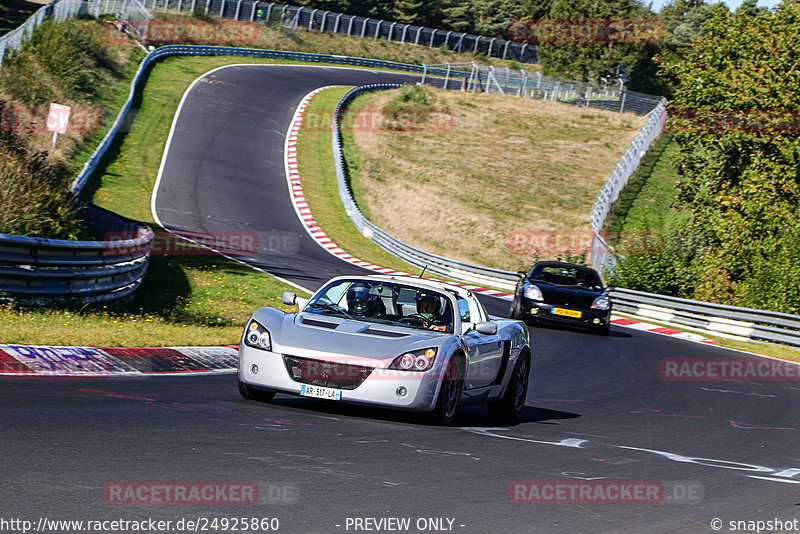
x=717, y=319
x=436, y=264
x=41, y=270
x=759, y=325
x=747, y=323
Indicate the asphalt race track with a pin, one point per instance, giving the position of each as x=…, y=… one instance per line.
x=599, y=410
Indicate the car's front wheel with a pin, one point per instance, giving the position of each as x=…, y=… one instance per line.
x=513, y=401
x=251, y=393
x=515, y=312
x=449, y=393
x=602, y=330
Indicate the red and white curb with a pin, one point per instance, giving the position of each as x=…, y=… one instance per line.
x=647, y=327
x=28, y=360
x=304, y=212
x=318, y=235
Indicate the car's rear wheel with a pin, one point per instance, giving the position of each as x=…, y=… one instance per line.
x=449, y=393
x=513, y=401
x=256, y=394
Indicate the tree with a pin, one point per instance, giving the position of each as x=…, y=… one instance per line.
x=493, y=18
x=593, y=59
x=537, y=9
x=737, y=120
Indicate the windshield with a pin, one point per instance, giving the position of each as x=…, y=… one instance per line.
x=385, y=303
x=567, y=276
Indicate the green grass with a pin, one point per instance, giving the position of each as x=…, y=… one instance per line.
x=644, y=206
x=318, y=178
x=197, y=300
x=185, y=300
x=489, y=180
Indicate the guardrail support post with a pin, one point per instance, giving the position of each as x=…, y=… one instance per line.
x=311, y=19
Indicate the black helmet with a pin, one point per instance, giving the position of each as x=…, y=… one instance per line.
x=359, y=300
x=428, y=296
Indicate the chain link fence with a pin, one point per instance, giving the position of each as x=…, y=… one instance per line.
x=138, y=12
x=603, y=257
x=520, y=82
x=59, y=10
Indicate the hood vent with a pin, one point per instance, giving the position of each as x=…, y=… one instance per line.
x=321, y=324
x=384, y=333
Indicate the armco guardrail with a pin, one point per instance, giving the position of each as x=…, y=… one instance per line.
x=753, y=324
x=37, y=269
x=291, y=16
x=191, y=50
x=322, y=20
x=713, y=318
x=436, y=264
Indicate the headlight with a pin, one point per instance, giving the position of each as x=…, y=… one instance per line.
x=601, y=303
x=532, y=292
x=418, y=360
x=257, y=336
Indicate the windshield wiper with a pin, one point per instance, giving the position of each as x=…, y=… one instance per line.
x=332, y=308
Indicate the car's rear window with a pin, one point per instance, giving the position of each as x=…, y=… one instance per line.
x=566, y=276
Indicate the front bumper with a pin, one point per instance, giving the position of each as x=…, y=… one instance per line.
x=380, y=388
x=536, y=311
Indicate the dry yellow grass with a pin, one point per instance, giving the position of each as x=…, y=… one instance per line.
x=508, y=168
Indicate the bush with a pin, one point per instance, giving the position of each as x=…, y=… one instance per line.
x=65, y=60
x=412, y=108
x=663, y=268
x=33, y=192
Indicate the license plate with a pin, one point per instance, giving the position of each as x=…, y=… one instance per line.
x=567, y=313
x=319, y=392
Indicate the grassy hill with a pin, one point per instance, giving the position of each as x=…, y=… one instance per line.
x=497, y=181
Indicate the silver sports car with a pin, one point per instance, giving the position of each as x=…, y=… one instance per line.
x=394, y=341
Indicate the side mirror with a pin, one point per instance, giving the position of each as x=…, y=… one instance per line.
x=288, y=298
x=486, y=328
x=522, y=274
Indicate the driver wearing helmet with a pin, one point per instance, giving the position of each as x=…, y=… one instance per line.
x=361, y=303
x=429, y=308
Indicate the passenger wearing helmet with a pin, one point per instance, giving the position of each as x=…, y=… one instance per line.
x=361, y=303
x=429, y=307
